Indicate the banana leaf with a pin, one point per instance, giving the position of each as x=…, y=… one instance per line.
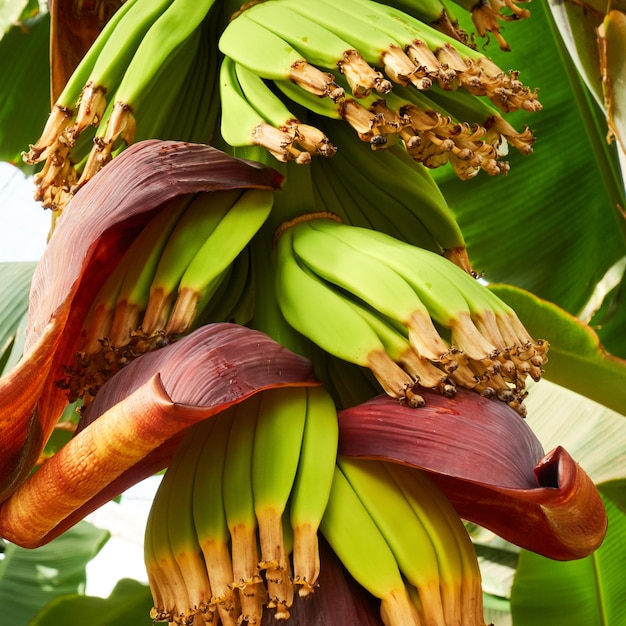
x=128, y=605
x=587, y=592
x=594, y=435
x=13, y=12
x=25, y=86
x=14, y=287
x=29, y=579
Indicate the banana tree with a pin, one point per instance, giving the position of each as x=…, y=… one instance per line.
x=429, y=374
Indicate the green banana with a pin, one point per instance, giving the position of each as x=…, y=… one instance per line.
x=141, y=261
x=229, y=236
x=170, y=595
x=62, y=115
x=114, y=59
x=402, y=528
x=277, y=443
x=239, y=507
x=194, y=227
x=438, y=517
x=422, y=270
x=311, y=487
x=168, y=33
x=320, y=46
x=154, y=88
x=320, y=313
x=273, y=58
x=398, y=347
x=375, y=45
x=457, y=302
x=273, y=109
x=366, y=554
x=183, y=539
x=243, y=125
x=209, y=515
x=372, y=281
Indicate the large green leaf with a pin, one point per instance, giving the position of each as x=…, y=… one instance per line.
x=14, y=288
x=25, y=86
x=29, y=579
x=587, y=592
x=609, y=320
x=14, y=11
x=594, y=435
x=551, y=225
x=128, y=605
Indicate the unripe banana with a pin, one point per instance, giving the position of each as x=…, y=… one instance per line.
x=167, y=583
x=243, y=125
x=273, y=58
x=273, y=109
x=319, y=312
x=239, y=507
x=277, y=443
x=141, y=262
x=364, y=552
x=402, y=528
x=371, y=280
x=166, y=35
x=226, y=240
x=320, y=46
x=114, y=59
x=438, y=56
x=199, y=220
x=209, y=515
x=62, y=116
x=311, y=488
x=438, y=518
x=181, y=527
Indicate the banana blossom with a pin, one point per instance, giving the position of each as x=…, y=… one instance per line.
x=481, y=454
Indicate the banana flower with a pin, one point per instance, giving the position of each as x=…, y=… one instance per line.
x=481, y=454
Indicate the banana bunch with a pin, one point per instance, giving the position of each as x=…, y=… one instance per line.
x=241, y=533
x=369, y=64
x=400, y=538
x=188, y=266
x=408, y=314
x=151, y=73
